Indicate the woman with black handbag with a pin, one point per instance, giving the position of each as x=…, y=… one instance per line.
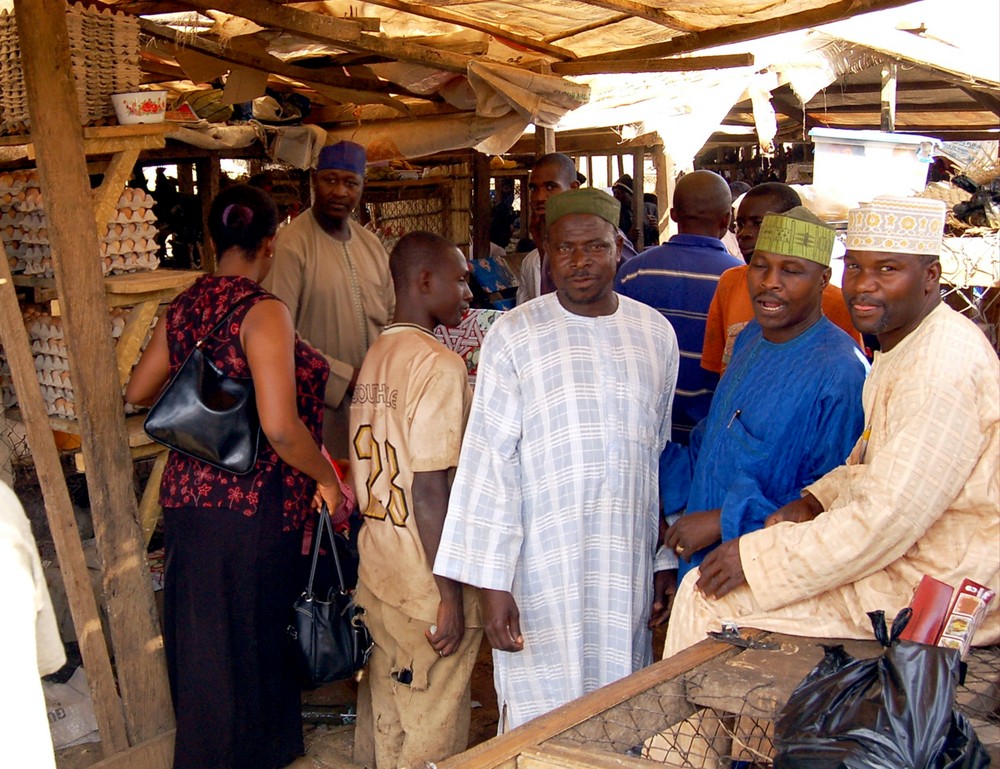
x=233, y=540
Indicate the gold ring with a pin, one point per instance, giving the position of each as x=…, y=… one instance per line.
x=679, y=549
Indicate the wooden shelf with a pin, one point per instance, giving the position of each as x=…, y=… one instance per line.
x=396, y=184
x=137, y=437
x=122, y=290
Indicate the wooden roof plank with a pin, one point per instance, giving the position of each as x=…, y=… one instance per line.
x=432, y=12
x=305, y=23
x=317, y=26
x=904, y=107
x=654, y=65
x=649, y=13
x=273, y=65
x=740, y=33
x=990, y=102
x=589, y=27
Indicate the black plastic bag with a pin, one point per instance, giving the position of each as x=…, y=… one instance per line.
x=896, y=711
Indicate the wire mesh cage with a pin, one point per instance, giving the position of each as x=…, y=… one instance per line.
x=721, y=715
x=392, y=209
x=712, y=709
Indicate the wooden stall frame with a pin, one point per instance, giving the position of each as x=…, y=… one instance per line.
x=504, y=751
x=144, y=713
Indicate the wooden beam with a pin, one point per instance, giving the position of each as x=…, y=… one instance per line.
x=133, y=335
x=990, y=102
x=316, y=26
x=303, y=23
x=963, y=135
x=887, y=107
x=62, y=170
x=754, y=30
x=116, y=176
x=638, y=181
x=907, y=108
x=62, y=522
x=156, y=753
x=149, y=505
x=691, y=64
x=269, y=63
x=589, y=27
x=507, y=747
x=851, y=89
x=545, y=141
x=469, y=22
x=209, y=178
x=647, y=12
x=551, y=756
x=481, y=206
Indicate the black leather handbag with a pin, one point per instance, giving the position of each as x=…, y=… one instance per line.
x=207, y=415
x=332, y=642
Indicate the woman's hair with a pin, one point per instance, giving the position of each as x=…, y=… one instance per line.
x=242, y=216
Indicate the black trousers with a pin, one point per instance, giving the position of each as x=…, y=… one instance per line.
x=230, y=582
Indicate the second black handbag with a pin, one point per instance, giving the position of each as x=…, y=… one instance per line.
x=332, y=642
x=207, y=415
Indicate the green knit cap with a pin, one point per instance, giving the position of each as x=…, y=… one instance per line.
x=798, y=232
x=585, y=200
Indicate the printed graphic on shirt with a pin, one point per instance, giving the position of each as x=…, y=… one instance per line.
x=382, y=459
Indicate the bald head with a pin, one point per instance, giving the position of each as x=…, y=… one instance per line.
x=702, y=204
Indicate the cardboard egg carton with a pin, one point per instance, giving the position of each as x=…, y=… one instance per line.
x=104, y=56
x=128, y=244
x=48, y=347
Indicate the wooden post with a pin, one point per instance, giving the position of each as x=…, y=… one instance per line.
x=545, y=141
x=58, y=139
x=664, y=166
x=185, y=179
x=208, y=188
x=62, y=523
x=888, y=117
x=481, y=208
x=638, y=209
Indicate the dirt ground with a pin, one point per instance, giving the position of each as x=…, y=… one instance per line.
x=330, y=741
x=331, y=746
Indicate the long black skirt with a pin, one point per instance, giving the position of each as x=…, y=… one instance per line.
x=229, y=585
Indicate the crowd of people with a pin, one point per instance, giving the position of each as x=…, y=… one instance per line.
x=672, y=437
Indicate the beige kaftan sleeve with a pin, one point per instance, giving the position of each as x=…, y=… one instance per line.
x=883, y=507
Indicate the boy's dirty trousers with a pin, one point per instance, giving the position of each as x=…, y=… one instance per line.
x=420, y=701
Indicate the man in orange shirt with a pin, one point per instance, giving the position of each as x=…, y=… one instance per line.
x=731, y=309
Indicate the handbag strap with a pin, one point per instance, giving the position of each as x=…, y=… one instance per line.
x=225, y=317
x=327, y=526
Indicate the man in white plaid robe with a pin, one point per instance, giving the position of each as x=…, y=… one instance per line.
x=554, y=509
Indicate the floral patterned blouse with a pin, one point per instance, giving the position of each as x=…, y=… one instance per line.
x=189, y=482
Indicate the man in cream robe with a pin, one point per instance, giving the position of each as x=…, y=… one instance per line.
x=334, y=276
x=920, y=493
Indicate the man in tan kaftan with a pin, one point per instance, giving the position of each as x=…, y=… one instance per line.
x=920, y=492
x=334, y=276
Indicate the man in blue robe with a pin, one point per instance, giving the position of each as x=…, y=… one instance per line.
x=787, y=410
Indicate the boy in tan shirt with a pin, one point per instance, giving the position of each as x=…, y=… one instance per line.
x=408, y=414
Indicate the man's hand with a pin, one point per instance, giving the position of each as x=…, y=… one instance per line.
x=664, y=590
x=693, y=532
x=447, y=633
x=722, y=570
x=804, y=509
x=501, y=620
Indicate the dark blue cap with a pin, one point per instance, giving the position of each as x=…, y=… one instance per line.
x=344, y=156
